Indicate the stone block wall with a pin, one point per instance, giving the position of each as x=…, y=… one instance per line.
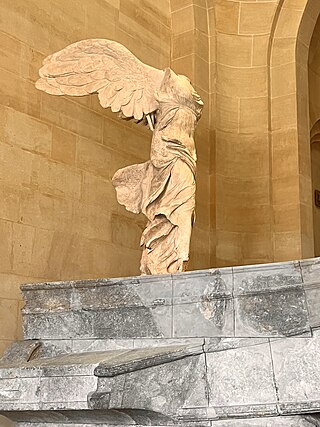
x=261, y=181
x=59, y=218
x=240, y=33
x=293, y=26
x=314, y=76
x=314, y=114
x=58, y=213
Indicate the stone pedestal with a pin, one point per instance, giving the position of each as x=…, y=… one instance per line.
x=230, y=347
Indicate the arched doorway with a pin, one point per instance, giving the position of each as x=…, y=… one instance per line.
x=315, y=174
x=289, y=128
x=314, y=113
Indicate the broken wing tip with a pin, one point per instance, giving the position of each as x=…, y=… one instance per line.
x=39, y=84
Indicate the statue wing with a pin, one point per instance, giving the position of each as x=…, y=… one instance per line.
x=105, y=67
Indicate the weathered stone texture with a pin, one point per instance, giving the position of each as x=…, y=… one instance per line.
x=58, y=197
x=297, y=421
x=297, y=372
x=266, y=296
x=184, y=382
x=119, y=351
x=239, y=376
x=256, y=301
x=248, y=134
x=57, y=158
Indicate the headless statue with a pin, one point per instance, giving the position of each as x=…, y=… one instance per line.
x=163, y=188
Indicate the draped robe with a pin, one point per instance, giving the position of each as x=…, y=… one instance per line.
x=163, y=189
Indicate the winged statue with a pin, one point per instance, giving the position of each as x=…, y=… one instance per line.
x=163, y=188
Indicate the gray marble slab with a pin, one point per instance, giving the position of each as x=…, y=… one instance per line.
x=202, y=285
x=137, y=359
x=242, y=377
x=266, y=277
x=297, y=372
x=167, y=387
x=297, y=421
x=310, y=269
x=281, y=312
x=202, y=349
x=127, y=322
x=208, y=318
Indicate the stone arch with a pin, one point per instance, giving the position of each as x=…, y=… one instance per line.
x=315, y=174
x=315, y=133
x=289, y=128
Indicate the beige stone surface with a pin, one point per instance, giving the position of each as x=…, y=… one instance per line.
x=57, y=206
x=309, y=155
x=256, y=17
x=234, y=50
x=260, y=50
x=315, y=155
x=242, y=82
x=63, y=148
x=226, y=16
x=253, y=115
x=250, y=101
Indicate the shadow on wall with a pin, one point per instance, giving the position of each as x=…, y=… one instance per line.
x=315, y=167
x=314, y=114
x=58, y=214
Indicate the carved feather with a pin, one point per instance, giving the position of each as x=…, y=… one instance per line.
x=122, y=82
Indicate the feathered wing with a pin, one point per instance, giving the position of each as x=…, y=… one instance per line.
x=122, y=82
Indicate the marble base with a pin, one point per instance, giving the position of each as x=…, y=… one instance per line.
x=225, y=347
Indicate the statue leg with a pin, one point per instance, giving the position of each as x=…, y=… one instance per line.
x=166, y=239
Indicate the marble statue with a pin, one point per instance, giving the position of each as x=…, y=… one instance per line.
x=163, y=188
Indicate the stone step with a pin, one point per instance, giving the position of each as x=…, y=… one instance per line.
x=179, y=383
x=224, y=347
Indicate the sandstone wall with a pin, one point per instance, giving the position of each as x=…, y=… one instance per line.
x=314, y=76
x=240, y=33
x=58, y=214
x=59, y=218
x=260, y=113
x=248, y=59
x=315, y=163
x=314, y=97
